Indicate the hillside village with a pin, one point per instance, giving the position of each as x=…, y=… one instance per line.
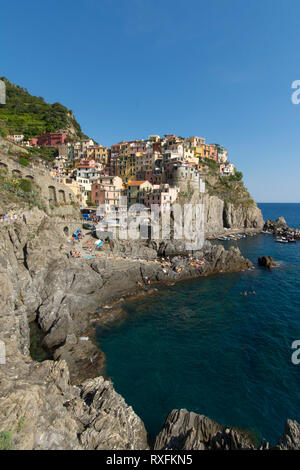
x=150, y=171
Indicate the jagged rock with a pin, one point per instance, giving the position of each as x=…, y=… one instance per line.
x=109, y=423
x=280, y=228
x=266, y=261
x=280, y=222
x=43, y=411
x=290, y=440
x=184, y=430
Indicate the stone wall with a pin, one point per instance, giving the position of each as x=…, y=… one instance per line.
x=51, y=192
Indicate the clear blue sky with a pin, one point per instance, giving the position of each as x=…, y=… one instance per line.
x=127, y=68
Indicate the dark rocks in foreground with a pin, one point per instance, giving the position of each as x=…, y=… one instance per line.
x=184, y=430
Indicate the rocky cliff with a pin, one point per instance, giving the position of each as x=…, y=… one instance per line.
x=227, y=204
x=39, y=408
x=42, y=405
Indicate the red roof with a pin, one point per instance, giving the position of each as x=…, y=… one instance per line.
x=136, y=183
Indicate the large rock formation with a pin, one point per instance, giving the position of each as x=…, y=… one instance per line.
x=185, y=430
x=279, y=227
x=266, y=261
x=290, y=440
x=226, y=206
x=41, y=410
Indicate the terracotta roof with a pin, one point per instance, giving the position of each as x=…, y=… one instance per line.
x=136, y=183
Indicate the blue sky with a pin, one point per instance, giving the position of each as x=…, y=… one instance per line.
x=221, y=69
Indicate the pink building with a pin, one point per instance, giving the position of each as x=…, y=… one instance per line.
x=162, y=195
x=52, y=139
x=33, y=142
x=107, y=190
x=137, y=146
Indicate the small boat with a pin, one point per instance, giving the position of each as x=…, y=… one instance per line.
x=281, y=240
x=291, y=240
x=223, y=239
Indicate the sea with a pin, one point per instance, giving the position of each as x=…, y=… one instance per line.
x=206, y=346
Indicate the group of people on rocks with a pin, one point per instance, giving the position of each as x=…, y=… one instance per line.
x=169, y=268
x=6, y=218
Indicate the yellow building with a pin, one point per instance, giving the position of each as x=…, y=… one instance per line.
x=205, y=151
x=135, y=189
x=99, y=153
x=129, y=165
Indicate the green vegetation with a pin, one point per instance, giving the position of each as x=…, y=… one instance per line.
x=46, y=153
x=2, y=132
x=23, y=160
x=25, y=185
x=19, y=190
x=32, y=116
x=238, y=176
x=231, y=191
x=211, y=164
x=21, y=423
x=6, y=440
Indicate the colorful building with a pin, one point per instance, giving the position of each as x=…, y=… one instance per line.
x=15, y=138
x=107, y=191
x=162, y=195
x=52, y=139
x=135, y=190
x=99, y=153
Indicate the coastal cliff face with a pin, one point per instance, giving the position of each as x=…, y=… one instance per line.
x=227, y=205
x=39, y=408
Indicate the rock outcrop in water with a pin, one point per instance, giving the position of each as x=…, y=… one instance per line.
x=185, y=430
x=279, y=227
x=63, y=294
x=266, y=261
x=290, y=440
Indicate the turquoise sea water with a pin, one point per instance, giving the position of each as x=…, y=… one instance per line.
x=204, y=346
